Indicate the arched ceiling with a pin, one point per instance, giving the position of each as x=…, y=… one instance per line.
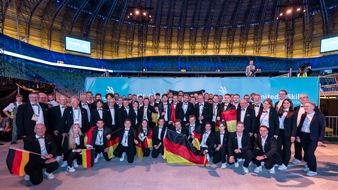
x=179, y=27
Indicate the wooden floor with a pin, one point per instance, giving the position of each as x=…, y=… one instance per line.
x=157, y=174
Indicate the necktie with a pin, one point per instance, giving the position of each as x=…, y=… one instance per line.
x=265, y=111
x=34, y=104
x=243, y=109
x=63, y=106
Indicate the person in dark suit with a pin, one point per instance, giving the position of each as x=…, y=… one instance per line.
x=184, y=110
x=143, y=133
x=158, y=136
x=311, y=133
x=268, y=117
x=75, y=114
x=98, y=113
x=125, y=112
x=216, y=112
x=227, y=105
x=145, y=111
x=101, y=135
x=72, y=147
x=239, y=146
x=203, y=111
x=265, y=150
x=112, y=114
x=282, y=96
x=135, y=116
x=221, y=145
x=286, y=132
x=299, y=111
x=57, y=124
x=127, y=143
x=30, y=114
x=164, y=109
x=83, y=104
x=207, y=144
x=179, y=129
x=42, y=144
x=247, y=115
x=193, y=127
x=256, y=105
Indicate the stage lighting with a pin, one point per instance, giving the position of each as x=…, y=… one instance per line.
x=290, y=11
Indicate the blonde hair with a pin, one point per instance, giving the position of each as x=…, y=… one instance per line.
x=71, y=137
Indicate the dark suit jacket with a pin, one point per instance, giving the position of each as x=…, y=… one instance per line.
x=24, y=119
x=289, y=127
x=210, y=143
x=161, y=109
x=149, y=111
x=131, y=137
x=65, y=148
x=184, y=131
x=317, y=126
x=155, y=138
x=94, y=116
x=225, y=138
x=106, y=131
x=122, y=116
x=233, y=144
x=249, y=120
x=109, y=118
x=180, y=111
x=32, y=144
x=207, y=113
x=270, y=146
x=56, y=119
x=229, y=107
x=68, y=120
x=273, y=122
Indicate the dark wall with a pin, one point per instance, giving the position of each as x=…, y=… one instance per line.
x=329, y=107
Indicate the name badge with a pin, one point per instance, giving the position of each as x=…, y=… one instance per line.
x=35, y=117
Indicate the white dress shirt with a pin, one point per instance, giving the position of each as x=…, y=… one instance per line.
x=307, y=122
x=125, y=138
x=42, y=144
x=264, y=119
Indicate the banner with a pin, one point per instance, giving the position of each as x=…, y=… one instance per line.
x=267, y=87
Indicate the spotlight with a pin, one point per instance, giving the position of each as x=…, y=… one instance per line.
x=137, y=12
x=298, y=9
x=289, y=11
x=144, y=14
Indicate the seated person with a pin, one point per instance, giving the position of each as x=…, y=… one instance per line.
x=178, y=128
x=40, y=143
x=158, y=136
x=221, y=144
x=127, y=143
x=265, y=150
x=239, y=146
x=72, y=147
x=101, y=135
x=193, y=127
x=144, y=132
x=207, y=142
x=5, y=129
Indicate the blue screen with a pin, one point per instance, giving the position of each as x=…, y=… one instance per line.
x=77, y=45
x=329, y=44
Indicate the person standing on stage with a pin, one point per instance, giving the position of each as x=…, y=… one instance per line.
x=11, y=111
x=250, y=70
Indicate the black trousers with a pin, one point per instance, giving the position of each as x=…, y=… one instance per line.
x=130, y=152
x=268, y=162
x=71, y=156
x=158, y=151
x=284, y=147
x=99, y=149
x=298, y=150
x=146, y=151
x=309, y=151
x=34, y=169
x=220, y=156
x=247, y=156
x=58, y=141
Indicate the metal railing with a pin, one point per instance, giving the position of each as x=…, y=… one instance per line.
x=331, y=129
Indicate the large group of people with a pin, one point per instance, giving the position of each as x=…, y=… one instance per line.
x=263, y=136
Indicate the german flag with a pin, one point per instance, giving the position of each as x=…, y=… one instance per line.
x=17, y=160
x=230, y=117
x=88, y=137
x=196, y=141
x=112, y=144
x=148, y=141
x=88, y=156
x=139, y=150
x=178, y=150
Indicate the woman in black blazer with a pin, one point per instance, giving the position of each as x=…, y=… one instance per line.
x=285, y=116
x=72, y=147
x=268, y=117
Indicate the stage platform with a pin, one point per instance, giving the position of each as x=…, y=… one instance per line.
x=157, y=174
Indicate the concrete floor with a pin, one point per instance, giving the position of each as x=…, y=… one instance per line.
x=157, y=174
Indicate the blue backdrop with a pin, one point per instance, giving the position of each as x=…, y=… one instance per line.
x=267, y=87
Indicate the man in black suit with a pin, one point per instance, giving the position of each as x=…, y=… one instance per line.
x=30, y=114
x=184, y=110
x=40, y=143
x=179, y=129
x=164, y=109
x=98, y=113
x=216, y=112
x=227, y=103
x=247, y=116
x=299, y=111
x=207, y=143
x=282, y=95
x=239, y=146
x=57, y=124
x=101, y=135
x=146, y=110
x=75, y=114
x=203, y=111
x=193, y=127
x=125, y=112
x=256, y=104
x=158, y=136
x=112, y=114
x=221, y=144
x=85, y=105
x=266, y=150
x=311, y=133
x=127, y=143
